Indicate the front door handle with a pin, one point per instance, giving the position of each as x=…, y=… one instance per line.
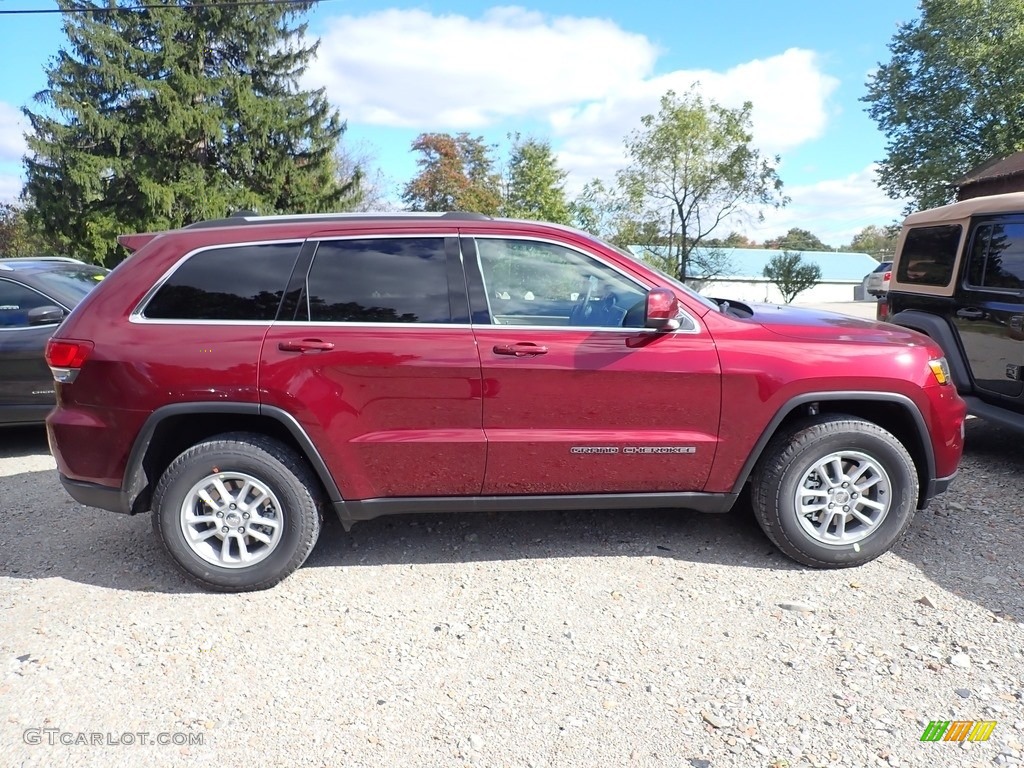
x=520, y=349
x=306, y=345
x=969, y=313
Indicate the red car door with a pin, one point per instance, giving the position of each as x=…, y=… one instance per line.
x=579, y=397
x=380, y=366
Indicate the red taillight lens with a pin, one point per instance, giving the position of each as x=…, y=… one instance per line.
x=888, y=276
x=882, y=311
x=67, y=354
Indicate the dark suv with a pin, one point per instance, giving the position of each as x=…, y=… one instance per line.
x=35, y=296
x=238, y=376
x=959, y=278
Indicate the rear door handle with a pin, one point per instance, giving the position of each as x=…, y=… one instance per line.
x=306, y=345
x=520, y=349
x=969, y=313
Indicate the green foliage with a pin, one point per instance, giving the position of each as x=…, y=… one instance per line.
x=792, y=274
x=797, y=240
x=16, y=239
x=950, y=96
x=160, y=117
x=880, y=242
x=535, y=187
x=691, y=167
x=456, y=174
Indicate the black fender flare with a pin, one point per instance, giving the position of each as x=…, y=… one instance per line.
x=136, y=483
x=939, y=330
x=818, y=397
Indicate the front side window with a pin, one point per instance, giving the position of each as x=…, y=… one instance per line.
x=538, y=283
x=15, y=302
x=928, y=255
x=243, y=282
x=379, y=280
x=997, y=257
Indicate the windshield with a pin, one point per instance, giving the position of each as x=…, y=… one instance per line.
x=70, y=283
x=668, y=278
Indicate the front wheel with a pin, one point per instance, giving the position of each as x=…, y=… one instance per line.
x=835, y=491
x=237, y=512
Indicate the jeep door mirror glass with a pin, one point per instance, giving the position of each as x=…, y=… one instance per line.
x=662, y=310
x=47, y=315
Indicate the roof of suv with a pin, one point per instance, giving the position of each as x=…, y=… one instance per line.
x=35, y=263
x=1011, y=202
x=243, y=218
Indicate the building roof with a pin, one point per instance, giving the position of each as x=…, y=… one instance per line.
x=749, y=263
x=997, y=168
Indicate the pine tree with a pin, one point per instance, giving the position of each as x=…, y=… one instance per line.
x=536, y=185
x=159, y=117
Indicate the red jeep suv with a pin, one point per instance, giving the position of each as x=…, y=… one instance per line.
x=237, y=377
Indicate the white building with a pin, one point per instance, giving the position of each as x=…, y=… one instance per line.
x=742, y=275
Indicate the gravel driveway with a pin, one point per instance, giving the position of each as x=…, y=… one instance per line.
x=583, y=639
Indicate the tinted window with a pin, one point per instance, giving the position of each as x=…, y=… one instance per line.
x=380, y=280
x=238, y=283
x=535, y=283
x=928, y=255
x=997, y=257
x=15, y=302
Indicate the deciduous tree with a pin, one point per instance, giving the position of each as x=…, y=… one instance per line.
x=950, y=96
x=791, y=274
x=693, y=166
x=797, y=239
x=456, y=174
x=535, y=188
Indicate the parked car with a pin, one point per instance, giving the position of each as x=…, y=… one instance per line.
x=238, y=376
x=959, y=278
x=35, y=296
x=877, y=281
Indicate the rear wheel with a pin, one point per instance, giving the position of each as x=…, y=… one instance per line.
x=237, y=512
x=835, y=491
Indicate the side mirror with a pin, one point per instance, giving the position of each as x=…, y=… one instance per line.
x=661, y=310
x=48, y=315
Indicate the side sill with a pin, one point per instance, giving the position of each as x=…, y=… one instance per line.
x=368, y=509
x=1004, y=417
x=93, y=495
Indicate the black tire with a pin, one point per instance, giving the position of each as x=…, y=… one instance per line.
x=793, y=452
x=280, y=469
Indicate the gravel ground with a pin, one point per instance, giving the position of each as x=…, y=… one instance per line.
x=582, y=639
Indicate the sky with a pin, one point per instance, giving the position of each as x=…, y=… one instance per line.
x=581, y=75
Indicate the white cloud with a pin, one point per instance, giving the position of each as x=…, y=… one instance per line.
x=12, y=126
x=10, y=188
x=410, y=68
x=834, y=209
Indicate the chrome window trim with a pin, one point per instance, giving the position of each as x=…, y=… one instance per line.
x=138, y=313
x=694, y=330
x=53, y=301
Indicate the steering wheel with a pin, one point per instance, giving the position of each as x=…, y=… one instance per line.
x=581, y=311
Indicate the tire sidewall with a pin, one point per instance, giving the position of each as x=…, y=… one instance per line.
x=289, y=491
x=903, y=482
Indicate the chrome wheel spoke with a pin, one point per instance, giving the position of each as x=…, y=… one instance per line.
x=231, y=519
x=843, y=498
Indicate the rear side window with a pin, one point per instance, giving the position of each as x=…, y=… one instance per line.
x=242, y=282
x=379, y=280
x=928, y=255
x=997, y=257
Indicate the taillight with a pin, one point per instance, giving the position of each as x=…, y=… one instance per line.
x=882, y=311
x=65, y=358
x=888, y=276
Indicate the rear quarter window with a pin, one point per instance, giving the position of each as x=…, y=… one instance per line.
x=244, y=282
x=929, y=255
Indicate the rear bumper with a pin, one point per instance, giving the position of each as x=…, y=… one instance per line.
x=94, y=495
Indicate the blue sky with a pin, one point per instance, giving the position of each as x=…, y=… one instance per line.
x=581, y=75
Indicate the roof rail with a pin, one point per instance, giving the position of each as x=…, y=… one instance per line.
x=244, y=218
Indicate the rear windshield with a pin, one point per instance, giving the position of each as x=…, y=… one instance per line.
x=928, y=255
x=70, y=283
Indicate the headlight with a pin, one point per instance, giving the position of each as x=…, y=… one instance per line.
x=940, y=370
